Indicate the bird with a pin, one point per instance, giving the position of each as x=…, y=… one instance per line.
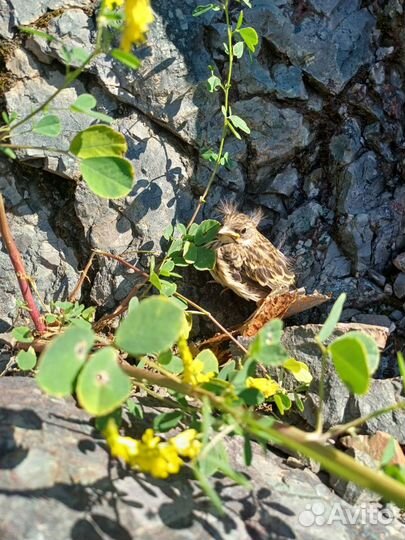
x=246, y=261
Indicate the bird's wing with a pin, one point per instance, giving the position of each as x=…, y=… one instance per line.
x=270, y=268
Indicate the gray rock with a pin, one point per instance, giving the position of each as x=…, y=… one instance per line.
x=48, y=260
x=329, y=50
x=339, y=405
x=377, y=278
x=360, y=185
x=399, y=285
x=357, y=236
x=375, y=320
x=56, y=467
x=285, y=183
x=399, y=262
x=288, y=82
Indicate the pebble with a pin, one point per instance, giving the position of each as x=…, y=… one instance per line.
x=399, y=262
x=388, y=289
x=396, y=315
x=378, y=279
x=376, y=320
x=399, y=286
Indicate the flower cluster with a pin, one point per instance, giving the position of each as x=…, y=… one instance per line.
x=150, y=454
x=138, y=16
x=267, y=386
x=193, y=372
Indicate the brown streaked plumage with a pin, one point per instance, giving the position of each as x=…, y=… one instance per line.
x=246, y=261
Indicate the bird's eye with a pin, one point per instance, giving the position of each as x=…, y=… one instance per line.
x=242, y=231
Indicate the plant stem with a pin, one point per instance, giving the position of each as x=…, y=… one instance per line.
x=332, y=460
x=336, y=431
x=321, y=391
x=227, y=88
x=19, y=268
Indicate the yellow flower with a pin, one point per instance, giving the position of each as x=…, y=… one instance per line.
x=193, y=369
x=186, y=443
x=138, y=17
x=299, y=370
x=150, y=454
x=111, y=4
x=267, y=386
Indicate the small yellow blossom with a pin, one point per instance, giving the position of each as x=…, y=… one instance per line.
x=299, y=370
x=138, y=17
x=150, y=454
x=267, y=386
x=193, y=369
x=111, y=4
x=186, y=443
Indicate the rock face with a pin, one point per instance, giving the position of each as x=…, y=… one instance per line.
x=57, y=481
x=323, y=96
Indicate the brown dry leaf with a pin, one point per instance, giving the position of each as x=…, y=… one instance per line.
x=274, y=307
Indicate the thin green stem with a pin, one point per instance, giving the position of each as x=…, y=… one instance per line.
x=332, y=460
x=321, y=392
x=226, y=89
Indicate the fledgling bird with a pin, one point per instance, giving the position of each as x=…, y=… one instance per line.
x=246, y=261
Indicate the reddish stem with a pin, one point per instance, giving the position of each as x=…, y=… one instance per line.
x=19, y=269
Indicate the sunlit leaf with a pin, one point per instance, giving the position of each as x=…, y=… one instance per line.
x=98, y=141
x=26, y=360
x=349, y=357
x=102, y=386
x=48, y=125
x=333, y=318
x=109, y=177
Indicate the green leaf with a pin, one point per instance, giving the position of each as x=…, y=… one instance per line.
x=250, y=37
x=75, y=56
x=401, y=366
x=299, y=370
x=208, y=358
x=49, y=126
x=239, y=123
x=190, y=252
x=84, y=105
x=208, y=489
x=349, y=356
x=168, y=288
x=214, y=83
x=206, y=232
x=240, y=20
x=167, y=421
x=200, y=10
x=227, y=370
x=251, y=397
x=209, y=155
x=166, y=268
x=205, y=259
x=248, y=370
x=62, y=360
x=395, y=471
x=26, y=360
x=283, y=402
x=333, y=318
x=373, y=352
x=22, y=334
x=126, y=58
x=266, y=347
x=109, y=177
x=8, y=152
x=170, y=362
x=168, y=232
x=35, y=32
x=134, y=408
x=102, y=386
x=247, y=2
x=98, y=141
x=389, y=453
x=238, y=49
x=153, y=327
x=247, y=450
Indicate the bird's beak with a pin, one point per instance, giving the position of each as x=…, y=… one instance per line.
x=228, y=234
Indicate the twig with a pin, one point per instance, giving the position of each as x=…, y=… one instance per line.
x=83, y=275
x=226, y=89
x=17, y=262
